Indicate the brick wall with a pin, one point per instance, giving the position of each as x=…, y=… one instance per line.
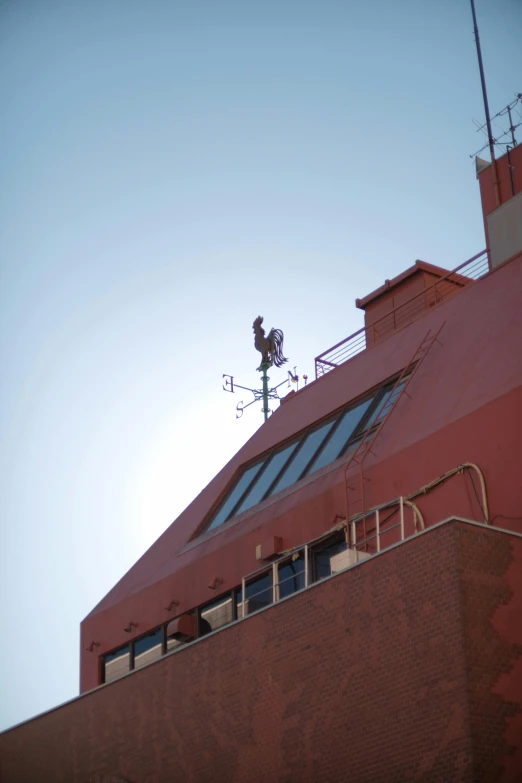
x=492, y=618
x=369, y=676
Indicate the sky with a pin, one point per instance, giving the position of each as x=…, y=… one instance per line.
x=170, y=170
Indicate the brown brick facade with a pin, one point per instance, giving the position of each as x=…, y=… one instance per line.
x=404, y=668
x=492, y=618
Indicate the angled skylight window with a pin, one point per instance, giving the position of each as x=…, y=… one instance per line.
x=311, y=450
x=346, y=425
x=308, y=448
x=267, y=477
x=246, y=479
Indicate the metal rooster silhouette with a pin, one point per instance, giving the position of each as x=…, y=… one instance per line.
x=271, y=347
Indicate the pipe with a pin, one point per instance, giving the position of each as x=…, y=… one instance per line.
x=469, y=465
x=417, y=515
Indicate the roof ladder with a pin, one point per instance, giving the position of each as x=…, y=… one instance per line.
x=356, y=504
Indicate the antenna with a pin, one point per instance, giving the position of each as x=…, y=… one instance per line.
x=507, y=137
x=491, y=140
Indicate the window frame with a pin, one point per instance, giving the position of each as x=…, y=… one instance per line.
x=326, y=542
x=259, y=475
x=233, y=595
x=377, y=394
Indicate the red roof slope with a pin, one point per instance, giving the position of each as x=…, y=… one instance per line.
x=454, y=381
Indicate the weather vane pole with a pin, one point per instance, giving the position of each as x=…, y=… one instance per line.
x=271, y=350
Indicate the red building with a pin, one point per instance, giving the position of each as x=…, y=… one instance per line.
x=344, y=600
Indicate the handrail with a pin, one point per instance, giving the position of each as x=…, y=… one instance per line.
x=467, y=272
x=354, y=543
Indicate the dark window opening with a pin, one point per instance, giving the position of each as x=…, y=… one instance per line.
x=291, y=575
x=323, y=553
x=258, y=593
x=148, y=648
x=220, y=612
x=117, y=663
x=181, y=630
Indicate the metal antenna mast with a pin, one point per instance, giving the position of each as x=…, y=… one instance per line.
x=491, y=140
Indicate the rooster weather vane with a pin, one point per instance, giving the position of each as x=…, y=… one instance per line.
x=271, y=347
x=271, y=350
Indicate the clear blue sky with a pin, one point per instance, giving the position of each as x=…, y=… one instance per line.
x=171, y=169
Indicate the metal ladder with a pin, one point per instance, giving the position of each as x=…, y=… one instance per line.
x=382, y=414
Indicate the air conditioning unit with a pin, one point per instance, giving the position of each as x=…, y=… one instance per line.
x=347, y=558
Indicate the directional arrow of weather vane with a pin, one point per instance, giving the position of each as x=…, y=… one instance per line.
x=271, y=350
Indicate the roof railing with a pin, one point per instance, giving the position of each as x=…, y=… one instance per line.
x=460, y=277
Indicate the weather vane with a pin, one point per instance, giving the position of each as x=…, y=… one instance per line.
x=271, y=350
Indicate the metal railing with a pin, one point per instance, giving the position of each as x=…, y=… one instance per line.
x=443, y=289
x=358, y=537
x=365, y=534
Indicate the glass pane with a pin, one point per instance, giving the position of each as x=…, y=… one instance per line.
x=117, y=663
x=148, y=648
x=322, y=558
x=384, y=405
x=227, y=507
x=266, y=478
x=216, y=614
x=391, y=399
x=177, y=638
x=258, y=593
x=291, y=576
x=341, y=435
x=311, y=443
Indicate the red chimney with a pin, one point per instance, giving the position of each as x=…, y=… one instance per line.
x=402, y=300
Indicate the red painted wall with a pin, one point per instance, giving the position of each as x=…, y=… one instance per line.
x=404, y=298
x=465, y=406
x=485, y=177
x=405, y=667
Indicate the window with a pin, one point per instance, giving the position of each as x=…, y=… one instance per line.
x=117, y=663
x=345, y=426
x=291, y=575
x=258, y=593
x=218, y=613
x=313, y=449
x=148, y=648
x=308, y=448
x=139, y=652
x=386, y=401
x=225, y=511
x=172, y=643
x=322, y=555
x=266, y=478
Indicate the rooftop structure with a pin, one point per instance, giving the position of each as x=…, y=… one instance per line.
x=343, y=600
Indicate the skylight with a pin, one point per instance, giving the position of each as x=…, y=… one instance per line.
x=311, y=450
